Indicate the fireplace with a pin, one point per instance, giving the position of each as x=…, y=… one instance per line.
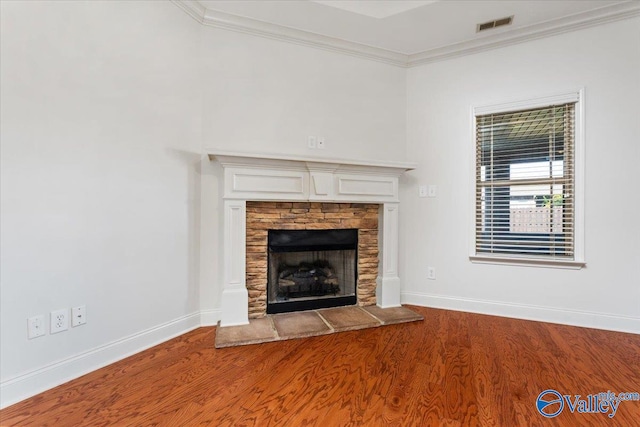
x=262, y=192
x=310, y=269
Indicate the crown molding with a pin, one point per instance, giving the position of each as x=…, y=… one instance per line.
x=227, y=21
x=241, y=24
x=192, y=8
x=566, y=24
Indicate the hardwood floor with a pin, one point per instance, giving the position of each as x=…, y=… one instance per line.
x=453, y=369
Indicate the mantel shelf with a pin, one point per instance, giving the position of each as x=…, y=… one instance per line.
x=245, y=158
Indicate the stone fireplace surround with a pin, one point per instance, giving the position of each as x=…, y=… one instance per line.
x=316, y=183
x=262, y=216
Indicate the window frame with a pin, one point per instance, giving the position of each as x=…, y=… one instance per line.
x=578, y=261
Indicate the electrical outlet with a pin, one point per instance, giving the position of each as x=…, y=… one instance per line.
x=431, y=273
x=35, y=326
x=422, y=191
x=312, y=142
x=59, y=320
x=432, y=190
x=321, y=143
x=78, y=315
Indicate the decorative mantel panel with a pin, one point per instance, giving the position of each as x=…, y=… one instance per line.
x=257, y=177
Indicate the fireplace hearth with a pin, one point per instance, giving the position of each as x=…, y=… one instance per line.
x=311, y=269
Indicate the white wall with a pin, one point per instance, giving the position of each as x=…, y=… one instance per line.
x=605, y=61
x=265, y=95
x=101, y=147
x=268, y=96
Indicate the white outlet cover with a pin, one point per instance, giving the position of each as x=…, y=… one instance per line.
x=312, y=142
x=78, y=315
x=59, y=321
x=422, y=191
x=35, y=326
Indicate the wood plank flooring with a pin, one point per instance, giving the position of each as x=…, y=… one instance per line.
x=453, y=369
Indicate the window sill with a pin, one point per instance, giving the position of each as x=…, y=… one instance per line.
x=528, y=262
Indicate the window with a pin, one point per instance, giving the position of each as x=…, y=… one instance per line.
x=525, y=182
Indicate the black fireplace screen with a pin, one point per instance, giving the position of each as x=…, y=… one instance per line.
x=309, y=269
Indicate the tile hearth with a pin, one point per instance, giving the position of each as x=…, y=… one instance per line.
x=303, y=324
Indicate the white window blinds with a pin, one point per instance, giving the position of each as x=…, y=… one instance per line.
x=525, y=204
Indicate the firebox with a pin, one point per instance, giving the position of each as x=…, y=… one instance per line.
x=310, y=269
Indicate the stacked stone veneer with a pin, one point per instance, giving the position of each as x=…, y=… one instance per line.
x=264, y=216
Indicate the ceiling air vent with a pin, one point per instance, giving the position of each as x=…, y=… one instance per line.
x=494, y=24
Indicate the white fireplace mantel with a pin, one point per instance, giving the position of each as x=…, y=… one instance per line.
x=288, y=178
x=268, y=177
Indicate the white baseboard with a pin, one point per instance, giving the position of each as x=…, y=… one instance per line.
x=210, y=317
x=31, y=383
x=527, y=312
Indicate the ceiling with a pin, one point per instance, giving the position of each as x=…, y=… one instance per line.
x=404, y=32
x=375, y=9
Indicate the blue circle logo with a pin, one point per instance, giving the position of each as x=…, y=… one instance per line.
x=549, y=403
